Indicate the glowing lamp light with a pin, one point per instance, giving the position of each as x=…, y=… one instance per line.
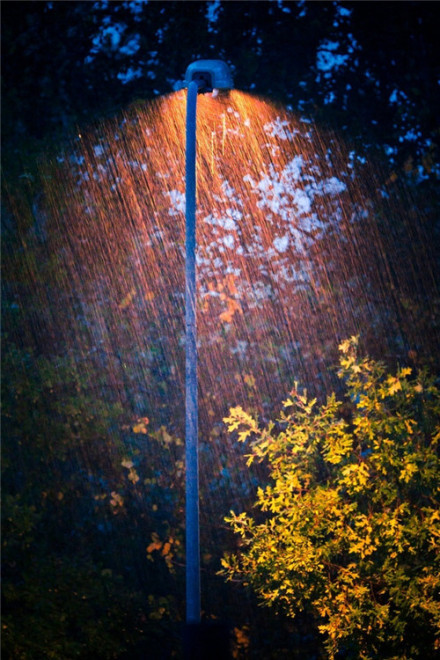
x=210, y=74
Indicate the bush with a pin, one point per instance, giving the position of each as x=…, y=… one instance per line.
x=348, y=529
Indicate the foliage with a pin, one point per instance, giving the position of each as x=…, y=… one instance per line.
x=65, y=62
x=348, y=528
x=76, y=519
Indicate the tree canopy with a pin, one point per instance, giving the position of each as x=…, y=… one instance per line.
x=371, y=70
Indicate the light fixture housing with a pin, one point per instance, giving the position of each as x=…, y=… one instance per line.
x=210, y=74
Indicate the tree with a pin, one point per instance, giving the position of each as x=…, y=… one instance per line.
x=371, y=73
x=348, y=528
x=80, y=578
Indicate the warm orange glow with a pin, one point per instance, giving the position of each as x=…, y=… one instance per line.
x=290, y=258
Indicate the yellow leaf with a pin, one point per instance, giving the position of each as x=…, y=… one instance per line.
x=408, y=471
x=127, y=299
x=394, y=385
x=408, y=423
x=116, y=500
x=249, y=380
x=133, y=476
x=233, y=306
x=141, y=426
x=166, y=548
x=154, y=545
x=127, y=463
x=345, y=346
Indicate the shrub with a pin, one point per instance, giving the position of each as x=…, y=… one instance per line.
x=348, y=528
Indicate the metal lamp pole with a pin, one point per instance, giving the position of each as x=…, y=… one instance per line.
x=191, y=410
x=201, y=76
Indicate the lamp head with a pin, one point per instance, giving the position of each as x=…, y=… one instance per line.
x=210, y=74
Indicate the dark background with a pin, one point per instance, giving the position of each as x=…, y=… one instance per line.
x=61, y=61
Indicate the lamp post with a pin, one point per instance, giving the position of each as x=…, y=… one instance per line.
x=201, y=77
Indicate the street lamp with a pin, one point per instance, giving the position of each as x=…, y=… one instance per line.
x=201, y=77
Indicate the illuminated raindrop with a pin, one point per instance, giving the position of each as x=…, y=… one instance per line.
x=294, y=255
